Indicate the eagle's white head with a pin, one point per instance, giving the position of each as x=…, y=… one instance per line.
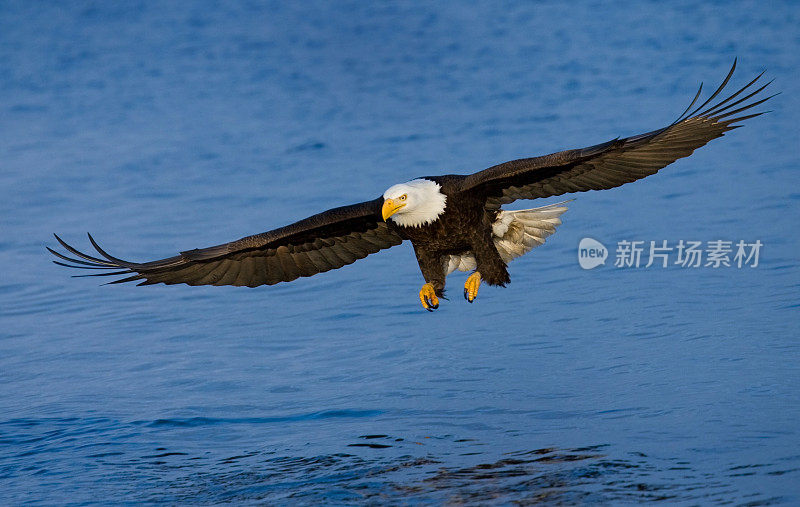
x=414, y=203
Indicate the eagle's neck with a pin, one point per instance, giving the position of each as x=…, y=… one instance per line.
x=427, y=204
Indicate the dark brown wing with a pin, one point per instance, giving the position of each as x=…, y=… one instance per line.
x=619, y=161
x=325, y=241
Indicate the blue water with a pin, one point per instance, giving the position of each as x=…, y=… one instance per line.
x=162, y=128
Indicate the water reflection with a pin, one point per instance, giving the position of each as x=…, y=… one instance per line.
x=373, y=467
x=547, y=475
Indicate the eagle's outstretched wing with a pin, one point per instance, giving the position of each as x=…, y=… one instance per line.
x=619, y=161
x=322, y=242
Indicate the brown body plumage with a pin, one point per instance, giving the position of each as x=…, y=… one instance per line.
x=465, y=226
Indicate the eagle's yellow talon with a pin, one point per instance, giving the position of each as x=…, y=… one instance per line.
x=471, y=286
x=427, y=294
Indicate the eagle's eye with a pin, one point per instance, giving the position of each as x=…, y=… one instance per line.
x=403, y=197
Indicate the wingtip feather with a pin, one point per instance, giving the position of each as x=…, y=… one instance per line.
x=108, y=256
x=80, y=254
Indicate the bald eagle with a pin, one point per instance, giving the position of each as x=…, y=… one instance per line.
x=454, y=222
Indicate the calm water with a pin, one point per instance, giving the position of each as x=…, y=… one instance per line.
x=160, y=129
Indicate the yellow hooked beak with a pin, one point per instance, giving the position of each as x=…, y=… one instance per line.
x=390, y=207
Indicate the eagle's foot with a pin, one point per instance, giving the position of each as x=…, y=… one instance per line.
x=427, y=294
x=471, y=286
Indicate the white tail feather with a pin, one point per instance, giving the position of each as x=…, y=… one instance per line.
x=515, y=234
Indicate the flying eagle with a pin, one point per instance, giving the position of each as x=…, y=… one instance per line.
x=453, y=221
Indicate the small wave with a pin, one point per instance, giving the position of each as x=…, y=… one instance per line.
x=208, y=421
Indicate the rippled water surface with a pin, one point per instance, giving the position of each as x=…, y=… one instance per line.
x=160, y=129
